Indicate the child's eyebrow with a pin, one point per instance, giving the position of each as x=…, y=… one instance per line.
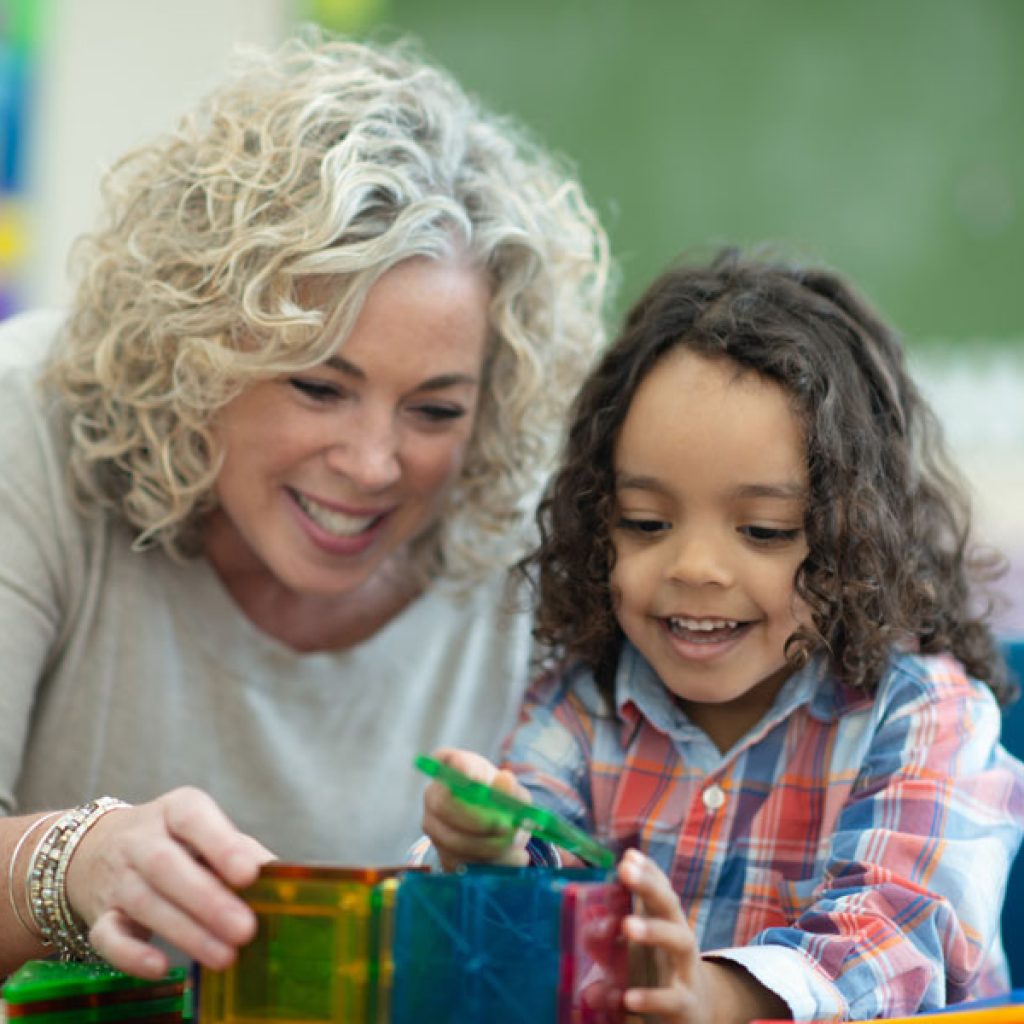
x=787, y=491
x=631, y=482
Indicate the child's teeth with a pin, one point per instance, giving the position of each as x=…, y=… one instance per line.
x=703, y=625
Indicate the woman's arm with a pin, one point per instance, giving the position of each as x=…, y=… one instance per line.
x=124, y=874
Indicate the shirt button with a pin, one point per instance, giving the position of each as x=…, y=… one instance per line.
x=713, y=798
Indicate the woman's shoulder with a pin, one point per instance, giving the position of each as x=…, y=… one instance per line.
x=26, y=338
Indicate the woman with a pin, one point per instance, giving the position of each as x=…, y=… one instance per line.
x=257, y=509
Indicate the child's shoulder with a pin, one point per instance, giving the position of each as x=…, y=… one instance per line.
x=569, y=680
x=912, y=679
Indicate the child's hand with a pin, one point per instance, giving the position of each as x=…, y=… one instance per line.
x=463, y=834
x=685, y=988
x=678, y=989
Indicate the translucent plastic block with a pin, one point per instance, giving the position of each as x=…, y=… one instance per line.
x=51, y=992
x=317, y=952
x=480, y=945
x=595, y=956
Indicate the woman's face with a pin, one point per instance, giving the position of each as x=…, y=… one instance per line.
x=331, y=472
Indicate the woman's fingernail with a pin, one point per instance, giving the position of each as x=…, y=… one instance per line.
x=239, y=922
x=152, y=962
x=216, y=955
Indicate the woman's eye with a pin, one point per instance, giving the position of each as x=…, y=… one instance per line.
x=440, y=413
x=769, y=534
x=318, y=390
x=642, y=526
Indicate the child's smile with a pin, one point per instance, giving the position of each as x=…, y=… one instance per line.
x=709, y=634
x=711, y=487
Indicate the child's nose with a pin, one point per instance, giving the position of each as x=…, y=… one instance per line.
x=700, y=560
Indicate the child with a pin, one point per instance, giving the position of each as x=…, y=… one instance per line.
x=777, y=694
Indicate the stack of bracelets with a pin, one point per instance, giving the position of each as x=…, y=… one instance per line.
x=46, y=878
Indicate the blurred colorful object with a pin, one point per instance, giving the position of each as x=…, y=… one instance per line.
x=19, y=32
x=340, y=15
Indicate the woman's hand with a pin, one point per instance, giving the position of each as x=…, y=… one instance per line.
x=463, y=834
x=685, y=988
x=165, y=868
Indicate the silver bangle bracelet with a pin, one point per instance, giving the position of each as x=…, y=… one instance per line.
x=47, y=879
x=11, y=866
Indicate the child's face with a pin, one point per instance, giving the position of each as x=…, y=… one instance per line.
x=711, y=489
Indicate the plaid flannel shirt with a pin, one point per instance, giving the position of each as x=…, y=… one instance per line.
x=850, y=851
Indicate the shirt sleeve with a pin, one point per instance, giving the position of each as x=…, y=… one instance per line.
x=908, y=908
x=549, y=749
x=34, y=574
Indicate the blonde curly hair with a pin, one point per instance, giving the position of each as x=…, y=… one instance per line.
x=325, y=159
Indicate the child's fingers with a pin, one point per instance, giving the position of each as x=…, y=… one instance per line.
x=673, y=938
x=475, y=766
x=440, y=805
x=670, y=1004
x=456, y=847
x=506, y=782
x=643, y=878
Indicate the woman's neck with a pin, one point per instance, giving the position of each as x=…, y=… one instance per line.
x=309, y=622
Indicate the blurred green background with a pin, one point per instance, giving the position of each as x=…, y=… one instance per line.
x=883, y=137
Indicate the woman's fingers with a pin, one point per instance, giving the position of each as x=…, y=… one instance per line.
x=125, y=944
x=194, y=819
x=168, y=891
x=166, y=868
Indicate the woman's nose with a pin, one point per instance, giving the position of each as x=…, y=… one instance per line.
x=367, y=454
x=699, y=559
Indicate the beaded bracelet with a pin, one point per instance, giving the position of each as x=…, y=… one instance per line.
x=11, y=869
x=46, y=880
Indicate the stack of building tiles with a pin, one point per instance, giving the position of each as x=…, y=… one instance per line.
x=54, y=992
x=390, y=946
x=321, y=952
x=486, y=944
x=594, y=957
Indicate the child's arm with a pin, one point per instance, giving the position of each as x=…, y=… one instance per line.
x=686, y=989
x=905, y=911
x=462, y=834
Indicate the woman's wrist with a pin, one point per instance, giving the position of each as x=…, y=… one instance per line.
x=13, y=876
x=46, y=879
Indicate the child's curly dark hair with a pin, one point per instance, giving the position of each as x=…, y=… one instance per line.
x=888, y=516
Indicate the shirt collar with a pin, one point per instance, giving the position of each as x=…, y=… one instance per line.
x=638, y=687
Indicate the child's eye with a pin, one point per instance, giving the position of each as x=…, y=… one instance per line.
x=318, y=390
x=643, y=526
x=769, y=534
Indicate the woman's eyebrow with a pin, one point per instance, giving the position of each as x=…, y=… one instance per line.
x=442, y=380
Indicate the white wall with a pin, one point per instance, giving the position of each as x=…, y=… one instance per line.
x=111, y=74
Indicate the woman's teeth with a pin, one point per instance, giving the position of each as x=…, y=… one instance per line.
x=337, y=523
